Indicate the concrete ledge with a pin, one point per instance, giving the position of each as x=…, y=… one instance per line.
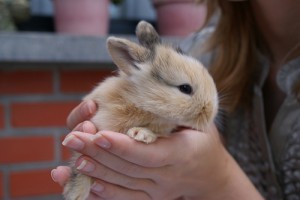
x=54, y=48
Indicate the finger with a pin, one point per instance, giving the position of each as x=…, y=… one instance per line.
x=61, y=174
x=91, y=168
x=156, y=154
x=82, y=143
x=80, y=113
x=109, y=191
x=163, y=152
x=87, y=127
x=93, y=196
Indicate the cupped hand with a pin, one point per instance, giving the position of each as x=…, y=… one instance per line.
x=76, y=121
x=189, y=164
x=84, y=111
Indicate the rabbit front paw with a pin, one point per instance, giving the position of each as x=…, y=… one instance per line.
x=77, y=187
x=142, y=134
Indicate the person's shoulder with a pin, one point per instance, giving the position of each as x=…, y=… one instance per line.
x=197, y=39
x=195, y=46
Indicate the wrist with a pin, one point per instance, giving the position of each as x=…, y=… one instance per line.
x=227, y=181
x=237, y=185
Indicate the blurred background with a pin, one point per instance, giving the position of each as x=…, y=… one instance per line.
x=119, y=16
x=52, y=53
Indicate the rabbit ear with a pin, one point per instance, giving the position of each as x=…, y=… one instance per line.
x=126, y=54
x=147, y=35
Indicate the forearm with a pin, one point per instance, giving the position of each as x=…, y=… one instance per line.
x=238, y=185
x=234, y=185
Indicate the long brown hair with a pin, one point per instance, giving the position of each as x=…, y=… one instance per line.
x=235, y=41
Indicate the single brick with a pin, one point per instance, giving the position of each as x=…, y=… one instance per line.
x=32, y=183
x=40, y=114
x=22, y=81
x=81, y=80
x=26, y=149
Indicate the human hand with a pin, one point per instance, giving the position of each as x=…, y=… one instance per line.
x=189, y=163
x=76, y=121
x=84, y=111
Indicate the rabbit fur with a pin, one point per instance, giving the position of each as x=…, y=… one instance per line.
x=157, y=89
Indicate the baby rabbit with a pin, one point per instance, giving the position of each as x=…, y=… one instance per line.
x=158, y=88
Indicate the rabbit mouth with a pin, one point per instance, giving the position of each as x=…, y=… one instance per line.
x=180, y=128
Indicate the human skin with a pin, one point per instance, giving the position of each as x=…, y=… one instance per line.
x=279, y=25
x=278, y=22
x=198, y=166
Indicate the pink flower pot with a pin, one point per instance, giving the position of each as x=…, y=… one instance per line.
x=179, y=17
x=82, y=17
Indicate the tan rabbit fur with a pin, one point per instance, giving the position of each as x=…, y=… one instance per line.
x=158, y=88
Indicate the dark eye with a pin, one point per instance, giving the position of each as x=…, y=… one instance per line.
x=185, y=88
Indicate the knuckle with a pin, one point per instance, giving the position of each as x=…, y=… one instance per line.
x=157, y=160
x=133, y=184
x=129, y=168
x=123, y=152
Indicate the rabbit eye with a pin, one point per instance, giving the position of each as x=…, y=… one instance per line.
x=185, y=88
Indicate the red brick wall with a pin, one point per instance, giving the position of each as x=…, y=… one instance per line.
x=34, y=104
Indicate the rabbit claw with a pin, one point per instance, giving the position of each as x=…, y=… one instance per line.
x=142, y=134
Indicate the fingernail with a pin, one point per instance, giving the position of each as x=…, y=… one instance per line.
x=53, y=175
x=101, y=141
x=73, y=142
x=90, y=107
x=96, y=187
x=86, y=166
